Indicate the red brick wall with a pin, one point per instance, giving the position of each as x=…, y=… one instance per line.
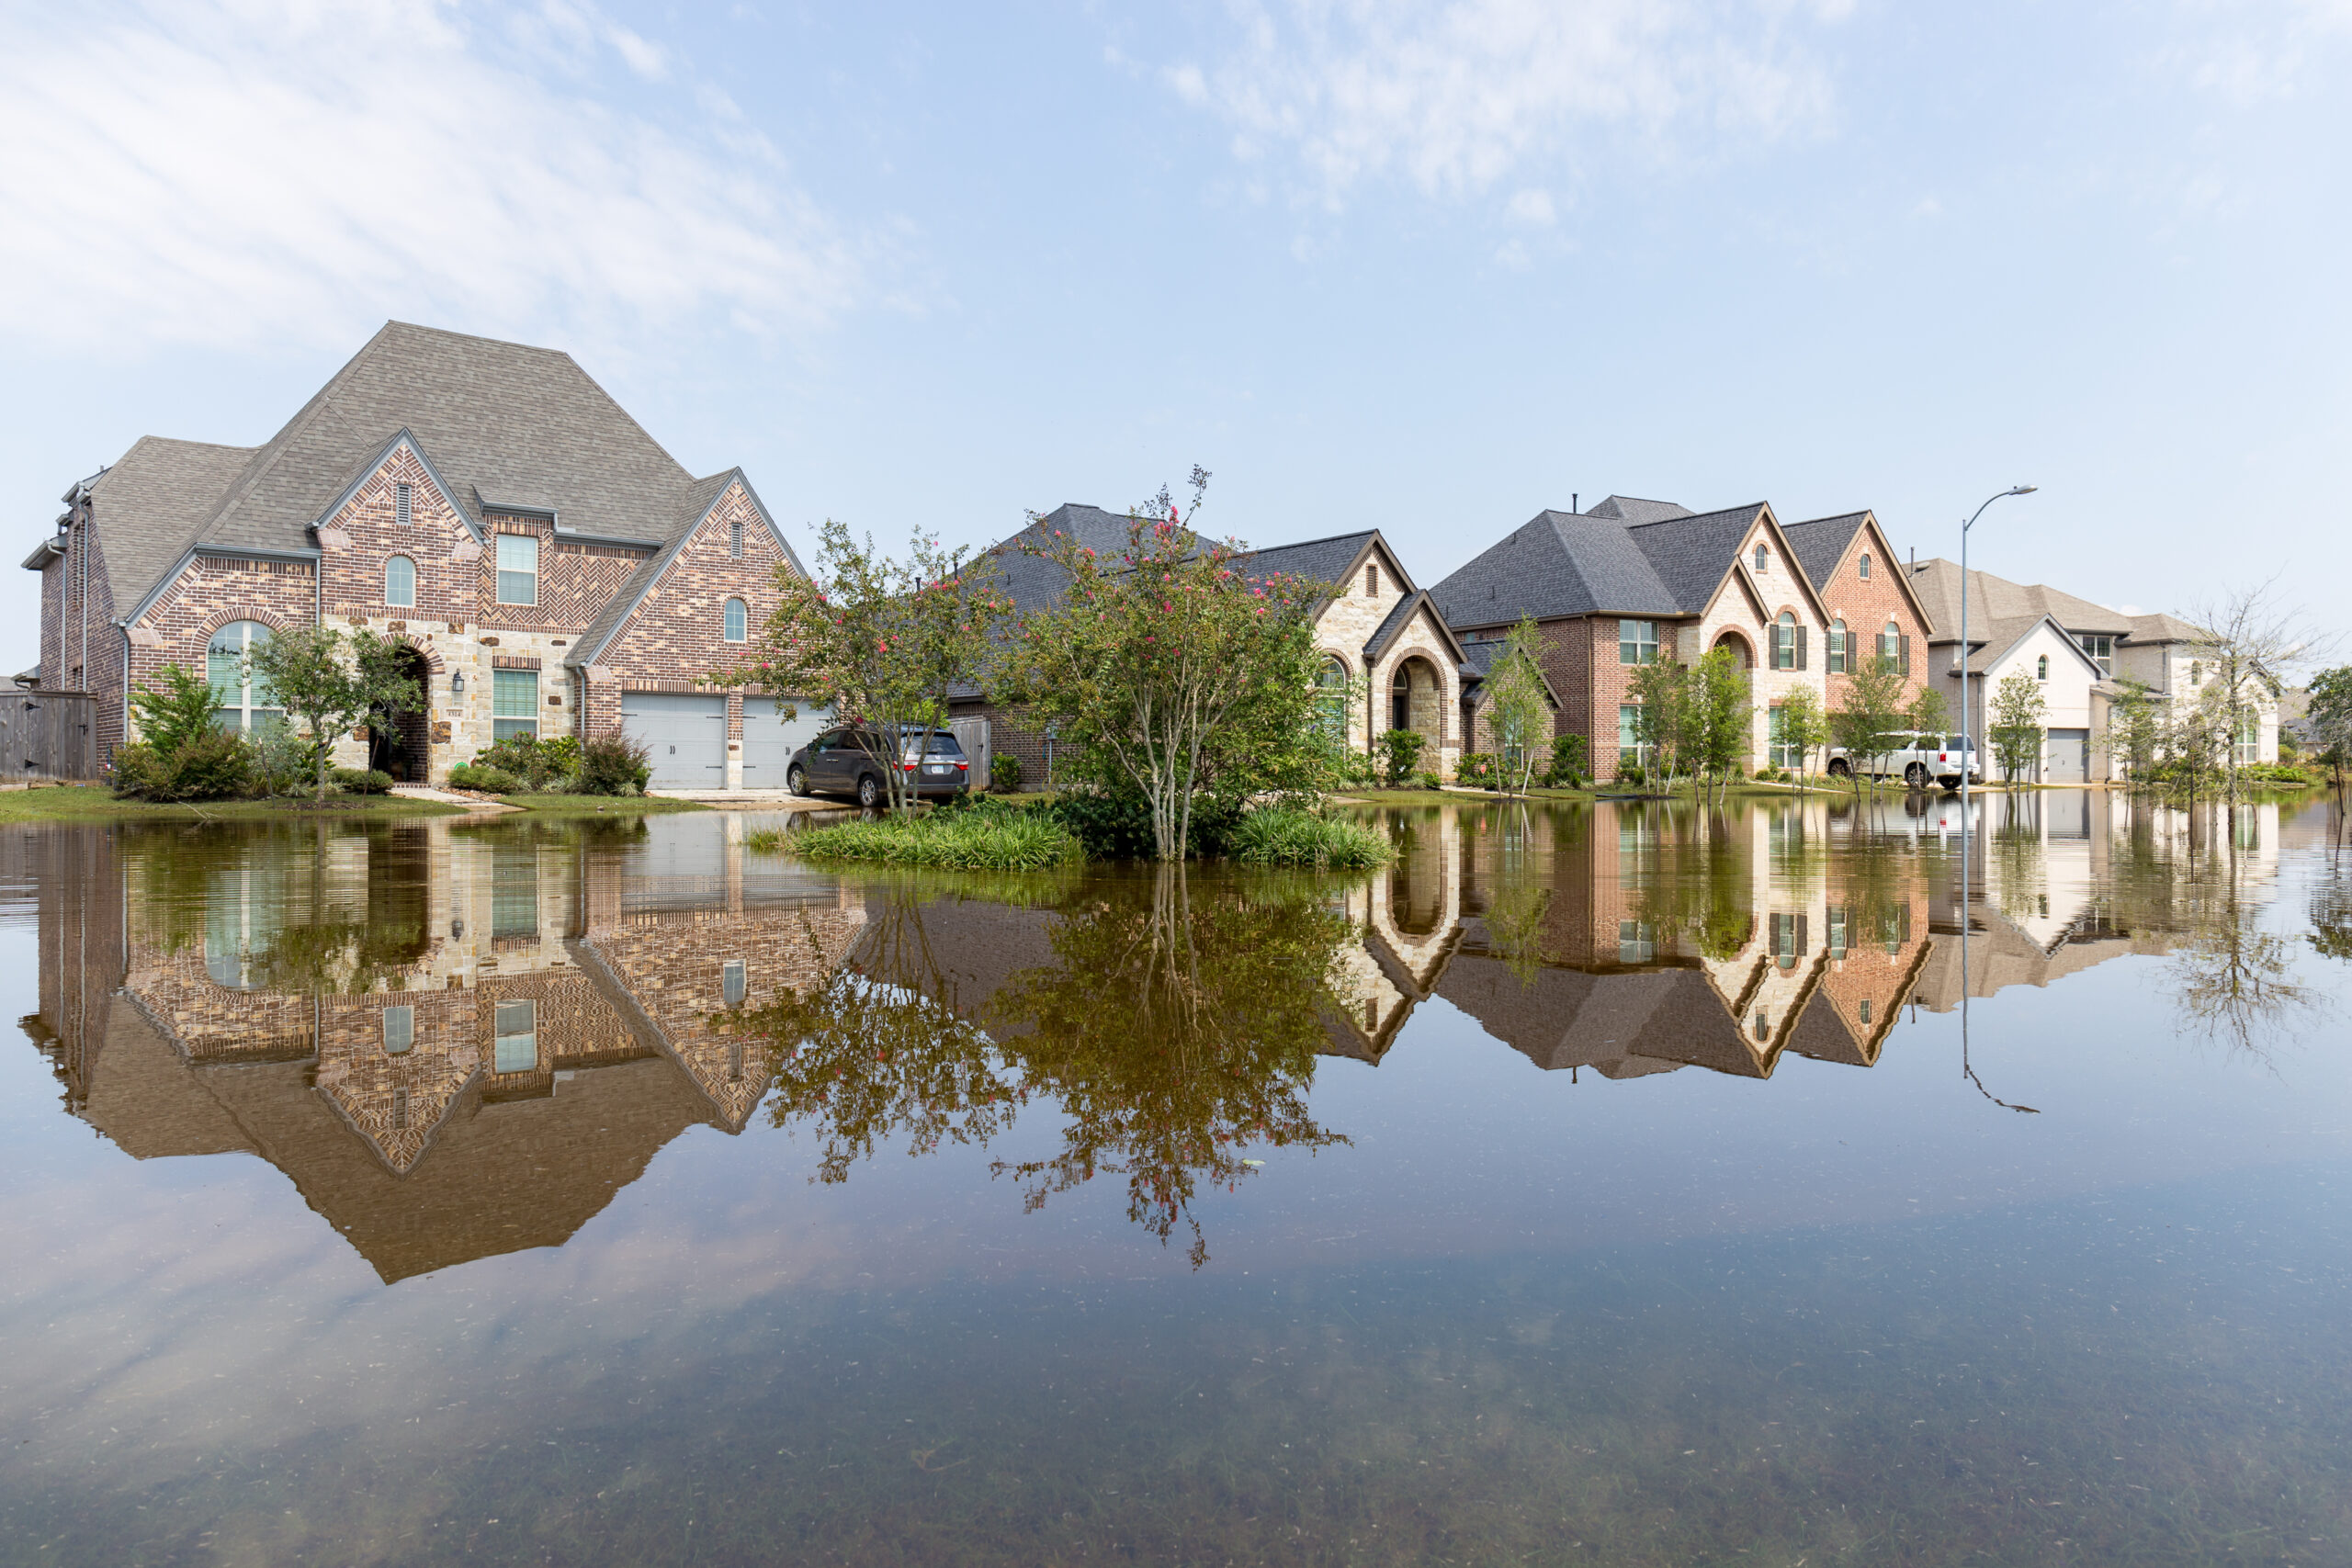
x=212, y=591
x=678, y=633
x=1867, y=606
x=354, y=573
x=52, y=623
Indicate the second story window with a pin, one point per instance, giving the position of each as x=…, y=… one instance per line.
x=400, y=513
x=1638, y=642
x=400, y=582
x=399, y=1028
x=736, y=617
x=1838, y=647
x=2102, y=652
x=1866, y=566
x=2042, y=668
x=734, y=538
x=518, y=568
x=1788, y=642
x=1763, y=561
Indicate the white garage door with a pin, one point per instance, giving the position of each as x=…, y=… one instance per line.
x=685, y=735
x=769, y=740
x=2069, y=754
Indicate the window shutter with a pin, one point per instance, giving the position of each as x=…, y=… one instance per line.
x=1800, y=647
x=1804, y=946
x=1903, y=651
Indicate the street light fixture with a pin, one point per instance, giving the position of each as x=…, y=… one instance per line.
x=1967, y=823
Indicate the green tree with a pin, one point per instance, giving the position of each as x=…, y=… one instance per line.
x=2135, y=727
x=1719, y=717
x=1805, y=726
x=1661, y=691
x=177, y=713
x=1927, y=713
x=2330, y=718
x=1170, y=671
x=1400, y=752
x=1518, y=706
x=1871, y=711
x=2016, y=731
x=330, y=683
x=879, y=642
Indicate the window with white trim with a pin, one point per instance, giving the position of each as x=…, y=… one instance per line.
x=241, y=700
x=514, y=704
x=1763, y=560
x=514, y=1048
x=1636, y=642
x=737, y=617
x=1838, y=647
x=400, y=582
x=518, y=568
x=399, y=1028
x=1866, y=566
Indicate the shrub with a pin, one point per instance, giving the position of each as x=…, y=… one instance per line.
x=1004, y=773
x=534, y=763
x=213, y=766
x=487, y=780
x=1632, y=773
x=971, y=839
x=1477, y=768
x=1567, y=769
x=176, y=714
x=1359, y=771
x=1429, y=780
x=360, y=781
x=1282, y=835
x=1400, y=752
x=614, y=764
x=283, y=762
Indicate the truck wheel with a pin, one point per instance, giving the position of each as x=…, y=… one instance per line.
x=1841, y=768
x=1915, y=776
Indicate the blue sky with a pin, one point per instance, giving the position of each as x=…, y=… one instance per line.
x=1425, y=266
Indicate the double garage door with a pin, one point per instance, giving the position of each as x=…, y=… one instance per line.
x=686, y=735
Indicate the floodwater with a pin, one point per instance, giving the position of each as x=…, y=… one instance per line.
x=1604, y=1184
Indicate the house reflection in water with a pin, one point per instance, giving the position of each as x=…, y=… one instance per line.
x=457, y=1041
x=1639, y=938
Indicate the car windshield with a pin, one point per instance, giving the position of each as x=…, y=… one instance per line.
x=1955, y=743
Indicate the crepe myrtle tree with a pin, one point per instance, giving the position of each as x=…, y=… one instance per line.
x=330, y=683
x=1169, y=670
x=878, y=641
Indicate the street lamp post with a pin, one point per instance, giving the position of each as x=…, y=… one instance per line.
x=1967, y=758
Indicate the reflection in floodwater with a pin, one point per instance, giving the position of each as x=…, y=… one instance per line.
x=462, y=1040
x=1174, y=1027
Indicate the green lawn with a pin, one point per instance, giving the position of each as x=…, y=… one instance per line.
x=594, y=805
x=82, y=803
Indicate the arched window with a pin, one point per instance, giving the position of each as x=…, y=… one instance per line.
x=1866, y=566
x=1889, y=642
x=1401, y=699
x=1837, y=665
x=735, y=620
x=399, y=581
x=241, y=701
x=1331, y=692
x=1784, y=641
x=2042, y=668
x=1762, y=560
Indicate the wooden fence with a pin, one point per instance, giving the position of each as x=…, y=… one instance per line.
x=47, y=735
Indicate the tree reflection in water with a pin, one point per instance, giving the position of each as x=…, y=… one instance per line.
x=1176, y=1030
x=2234, y=980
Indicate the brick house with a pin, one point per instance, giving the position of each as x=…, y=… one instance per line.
x=1874, y=609
x=1390, y=662
x=1631, y=581
x=552, y=569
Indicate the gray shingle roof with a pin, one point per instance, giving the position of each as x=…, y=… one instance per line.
x=1326, y=561
x=1995, y=601
x=1558, y=563
x=1478, y=660
x=1633, y=509
x=1691, y=553
x=697, y=501
x=497, y=420
x=1820, y=543
x=149, y=506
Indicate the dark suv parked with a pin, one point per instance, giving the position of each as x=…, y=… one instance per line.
x=842, y=761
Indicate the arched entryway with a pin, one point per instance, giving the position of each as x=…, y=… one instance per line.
x=400, y=742
x=1417, y=701
x=1741, y=648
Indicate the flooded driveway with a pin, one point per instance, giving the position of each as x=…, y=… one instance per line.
x=1612, y=1184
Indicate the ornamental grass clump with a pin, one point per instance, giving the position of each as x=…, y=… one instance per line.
x=1282, y=835
x=955, y=841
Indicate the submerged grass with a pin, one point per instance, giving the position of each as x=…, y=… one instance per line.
x=951, y=840
x=90, y=802
x=1283, y=835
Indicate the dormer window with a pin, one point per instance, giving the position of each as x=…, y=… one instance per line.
x=1866, y=566
x=400, y=513
x=1762, y=560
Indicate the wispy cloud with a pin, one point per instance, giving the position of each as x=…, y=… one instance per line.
x=243, y=172
x=1455, y=96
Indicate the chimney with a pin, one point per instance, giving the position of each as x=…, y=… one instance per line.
x=1572, y=502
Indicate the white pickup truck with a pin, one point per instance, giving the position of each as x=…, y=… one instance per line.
x=1919, y=761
